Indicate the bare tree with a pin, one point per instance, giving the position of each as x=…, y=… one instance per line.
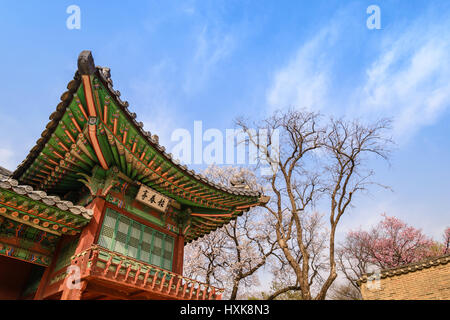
x=353, y=260
x=349, y=144
x=232, y=255
x=313, y=161
x=345, y=291
x=204, y=258
x=315, y=236
x=250, y=246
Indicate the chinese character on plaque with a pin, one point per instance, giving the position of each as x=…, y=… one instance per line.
x=152, y=199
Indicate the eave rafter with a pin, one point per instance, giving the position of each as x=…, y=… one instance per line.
x=159, y=178
x=51, y=219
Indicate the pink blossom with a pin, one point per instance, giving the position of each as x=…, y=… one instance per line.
x=392, y=243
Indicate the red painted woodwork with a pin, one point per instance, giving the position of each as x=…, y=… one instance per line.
x=92, y=128
x=121, y=277
x=90, y=232
x=13, y=276
x=178, y=255
x=118, y=280
x=48, y=271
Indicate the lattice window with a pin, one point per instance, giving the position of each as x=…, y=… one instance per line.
x=157, y=249
x=168, y=252
x=146, y=245
x=121, y=236
x=133, y=242
x=126, y=236
x=107, y=233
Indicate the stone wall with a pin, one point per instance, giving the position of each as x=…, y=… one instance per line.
x=429, y=280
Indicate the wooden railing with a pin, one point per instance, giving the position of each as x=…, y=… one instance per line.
x=98, y=262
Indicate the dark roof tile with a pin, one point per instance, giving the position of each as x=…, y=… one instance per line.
x=407, y=268
x=6, y=182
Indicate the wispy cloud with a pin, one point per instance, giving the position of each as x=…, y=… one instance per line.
x=304, y=81
x=402, y=72
x=408, y=80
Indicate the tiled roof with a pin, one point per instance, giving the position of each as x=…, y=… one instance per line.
x=408, y=268
x=5, y=172
x=86, y=64
x=6, y=182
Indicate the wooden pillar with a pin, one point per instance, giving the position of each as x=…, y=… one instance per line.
x=87, y=238
x=39, y=295
x=74, y=294
x=179, y=255
x=90, y=232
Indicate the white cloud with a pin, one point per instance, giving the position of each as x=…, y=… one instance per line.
x=405, y=75
x=304, y=81
x=410, y=81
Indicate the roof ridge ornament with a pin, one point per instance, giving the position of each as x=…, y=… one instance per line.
x=86, y=65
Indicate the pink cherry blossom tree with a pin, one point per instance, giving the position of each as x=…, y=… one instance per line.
x=389, y=244
x=393, y=243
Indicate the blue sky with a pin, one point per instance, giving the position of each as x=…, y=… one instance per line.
x=181, y=61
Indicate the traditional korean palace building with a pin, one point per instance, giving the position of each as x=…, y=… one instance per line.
x=99, y=200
